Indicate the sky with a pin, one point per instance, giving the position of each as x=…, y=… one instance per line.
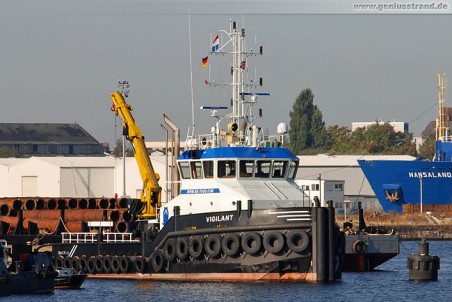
x=61, y=59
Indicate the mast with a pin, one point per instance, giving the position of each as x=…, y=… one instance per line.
x=441, y=128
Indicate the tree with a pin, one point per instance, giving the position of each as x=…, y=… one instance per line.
x=117, y=150
x=307, y=128
x=9, y=152
x=427, y=148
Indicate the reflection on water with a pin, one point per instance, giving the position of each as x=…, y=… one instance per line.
x=389, y=283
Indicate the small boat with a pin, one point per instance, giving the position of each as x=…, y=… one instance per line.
x=69, y=278
x=35, y=275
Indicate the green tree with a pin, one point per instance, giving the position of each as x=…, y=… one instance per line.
x=117, y=150
x=307, y=129
x=427, y=148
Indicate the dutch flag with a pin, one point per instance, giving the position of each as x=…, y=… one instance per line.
x=216, y=43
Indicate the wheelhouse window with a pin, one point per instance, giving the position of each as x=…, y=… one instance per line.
x=226, y=168
x=338, y=187
x=293, y=166
x=246, y=168
x=279, y=169
x=208, y=168
x=196, y=169
x=184, y=168
x=262, y=169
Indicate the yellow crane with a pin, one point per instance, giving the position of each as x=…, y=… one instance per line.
x=150, y=196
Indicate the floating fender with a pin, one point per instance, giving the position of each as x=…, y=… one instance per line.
x=99, y=264
x=251, y=242
x=359, y=247
x=115, y=265
x=157, y=261
x=213, y=245
x=59, y=262
x=196, y=246
x=106, y=264
x=91, y=265
x=169, y=250
x=230, y=244
x=84, y=263
x=182, y=248
x=75, y=262
x=140, y=265
x=125, y=265
x=297, y=240
x=67, y=262
x=273, y=242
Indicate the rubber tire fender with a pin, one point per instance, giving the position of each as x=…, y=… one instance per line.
x=212, y=245
x=230, y=244
x=297, y=240
x=251, y=242
x=67, y=262
x=182, y=248
x=273, y=242
x=75, y=262
x=115, y=265
x=84, y=263
x=91, y=265
x=140, y=265
x=106, y=264
x=125, y=265
x=59, y=262
x=99, y=260
x=157, y=261
x=196, y=246
x=359, y=247
x=169, y=250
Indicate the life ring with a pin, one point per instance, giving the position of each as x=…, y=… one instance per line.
x=196, y=246
x=359, y=247
x=125, y=265
x=297, y=240
x=67, y=262
x=212, y=245
x=140, y=264
x=99, y=264
x=273, y=242
x=157, y=261
x=91, y=265
x=115, y=265
x=230, y=244
x=169, y=250
x=106, y=264
x=182, y=248
x=251, y=242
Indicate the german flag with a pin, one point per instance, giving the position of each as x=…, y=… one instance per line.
x=204, y=61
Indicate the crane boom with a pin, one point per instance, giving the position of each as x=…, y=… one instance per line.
x=150, y=196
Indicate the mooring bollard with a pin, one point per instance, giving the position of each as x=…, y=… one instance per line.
x=423, y=266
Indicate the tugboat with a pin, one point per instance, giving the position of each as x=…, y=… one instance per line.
x=35, y=275
x=239, y=215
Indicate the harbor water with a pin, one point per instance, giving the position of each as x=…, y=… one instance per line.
x=389, y=283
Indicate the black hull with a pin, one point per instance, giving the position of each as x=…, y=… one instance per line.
x=365, y=253
x=26, y=283
x=299, y=244
x=70, y=282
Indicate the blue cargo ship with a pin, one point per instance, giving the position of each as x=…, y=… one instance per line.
x=421, y=182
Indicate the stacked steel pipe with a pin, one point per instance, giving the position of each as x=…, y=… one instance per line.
x=46, y=213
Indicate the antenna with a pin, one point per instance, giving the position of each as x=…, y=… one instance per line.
x=124, y=86
x=441, y=120
x=191, y=76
